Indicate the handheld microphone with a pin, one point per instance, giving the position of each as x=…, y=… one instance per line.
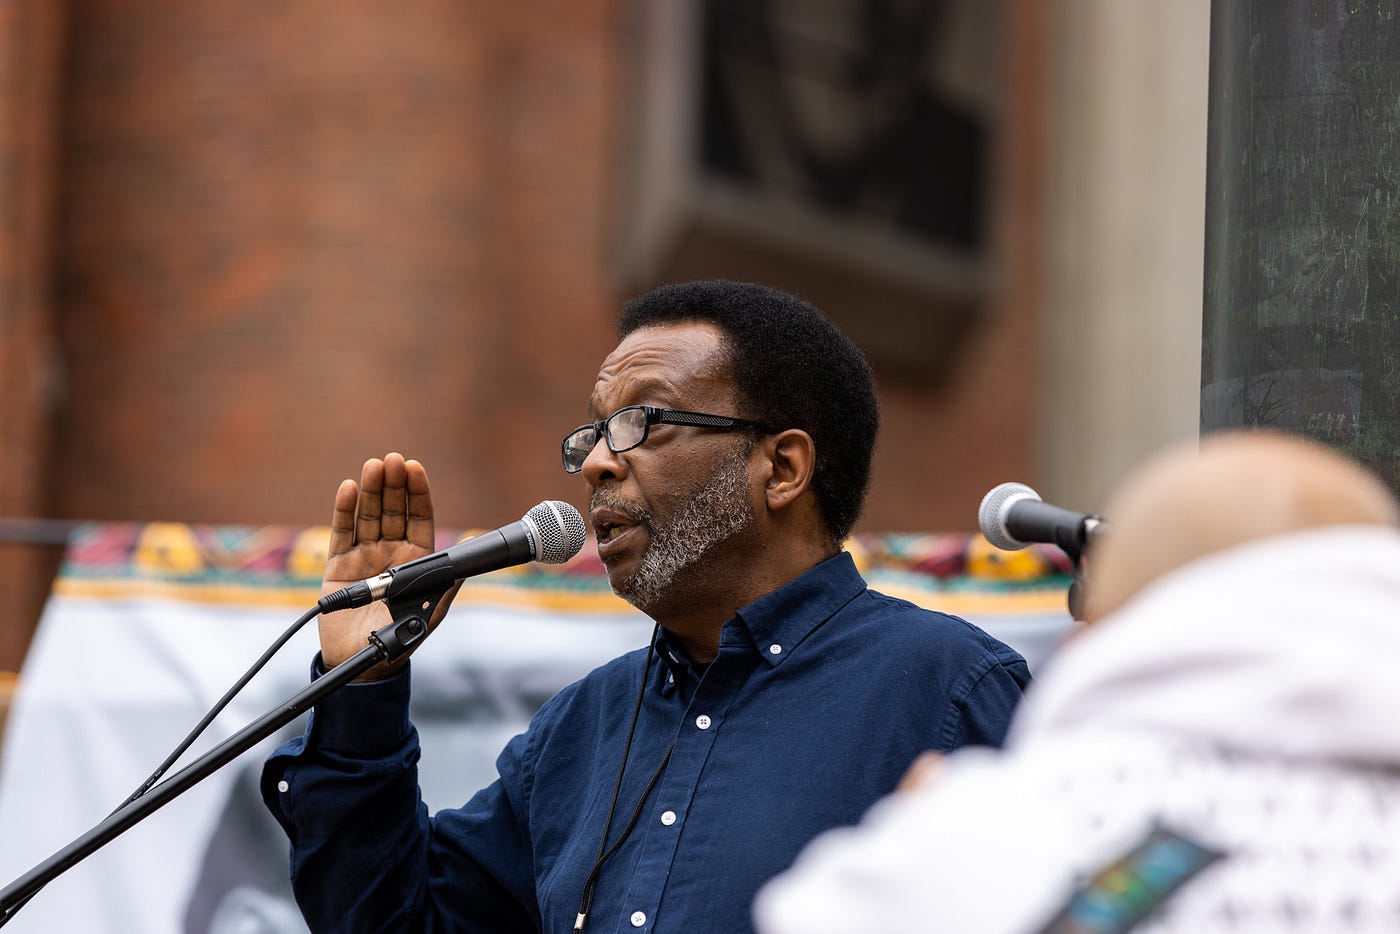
x=1013, y=516
x=552, y=532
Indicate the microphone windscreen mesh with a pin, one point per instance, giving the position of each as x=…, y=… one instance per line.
x=560, y=531
x=991, y=515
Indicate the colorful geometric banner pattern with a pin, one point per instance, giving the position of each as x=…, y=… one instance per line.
x=280, y=565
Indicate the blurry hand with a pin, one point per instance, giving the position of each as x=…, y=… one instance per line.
x=924, y=771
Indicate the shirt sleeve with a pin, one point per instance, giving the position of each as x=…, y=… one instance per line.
x=983, y=715
x=365, y=855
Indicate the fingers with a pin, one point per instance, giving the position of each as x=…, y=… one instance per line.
x=419, y=522
x=343, y=517
x=394, y=500
x=371, y=505
x=391, y=503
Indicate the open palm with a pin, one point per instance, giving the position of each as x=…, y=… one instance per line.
x=385, y=520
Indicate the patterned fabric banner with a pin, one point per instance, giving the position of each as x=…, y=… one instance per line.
x=955, y=573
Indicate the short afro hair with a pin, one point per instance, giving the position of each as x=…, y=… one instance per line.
x=793, y=369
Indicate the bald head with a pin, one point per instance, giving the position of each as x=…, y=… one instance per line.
x=1235, y=488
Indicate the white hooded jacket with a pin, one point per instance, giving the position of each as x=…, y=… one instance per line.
x=1249, y=702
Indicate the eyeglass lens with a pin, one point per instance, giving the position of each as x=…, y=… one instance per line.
x=625, y=429
x=576, y=448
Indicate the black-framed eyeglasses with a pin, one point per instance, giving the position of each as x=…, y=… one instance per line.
x=626, y=428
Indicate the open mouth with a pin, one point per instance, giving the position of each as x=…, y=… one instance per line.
x=612, y=527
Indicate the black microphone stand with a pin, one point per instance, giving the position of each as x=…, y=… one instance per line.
x=409, y=626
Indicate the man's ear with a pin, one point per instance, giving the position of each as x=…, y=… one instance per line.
x=791, y=458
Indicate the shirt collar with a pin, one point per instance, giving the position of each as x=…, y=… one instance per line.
x=775, y=624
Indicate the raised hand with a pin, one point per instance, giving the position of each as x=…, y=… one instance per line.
x=385, y=520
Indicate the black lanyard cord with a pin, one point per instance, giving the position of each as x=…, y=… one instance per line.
x=605, y=851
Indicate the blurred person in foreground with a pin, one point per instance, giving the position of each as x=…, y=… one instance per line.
x=727, y=455
x=1217, y=751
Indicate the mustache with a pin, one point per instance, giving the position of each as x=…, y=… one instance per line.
x=606, y=499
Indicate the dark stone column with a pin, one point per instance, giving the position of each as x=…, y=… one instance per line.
x=1302, y=276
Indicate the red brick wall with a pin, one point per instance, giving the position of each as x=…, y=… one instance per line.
x=30, y=45
x=293, y=238
x=288, y=238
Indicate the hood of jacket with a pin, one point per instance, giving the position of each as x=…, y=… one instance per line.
x=1285, y=646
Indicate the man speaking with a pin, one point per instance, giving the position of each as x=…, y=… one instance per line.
x=727, y=453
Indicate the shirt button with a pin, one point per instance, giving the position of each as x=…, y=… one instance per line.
x=283, y=787
x=668, y=817
x=775, y=649
x=639, y=918
x=703, y=722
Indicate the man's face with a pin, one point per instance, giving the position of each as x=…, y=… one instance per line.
x=660, y=509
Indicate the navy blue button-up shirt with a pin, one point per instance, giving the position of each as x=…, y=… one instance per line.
x=822, y=694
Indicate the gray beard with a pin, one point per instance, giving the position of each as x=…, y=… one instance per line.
x=716, y=512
